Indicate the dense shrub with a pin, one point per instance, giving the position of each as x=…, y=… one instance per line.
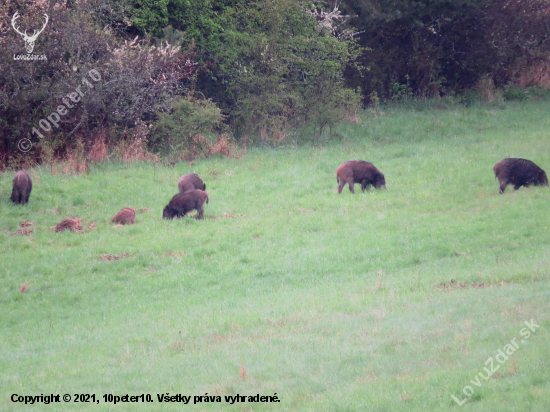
x=281, y=69
x=115, y=82
x=188, y=127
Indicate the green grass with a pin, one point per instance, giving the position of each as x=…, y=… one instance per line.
x=380, y=301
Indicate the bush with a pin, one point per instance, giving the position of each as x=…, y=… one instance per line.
x=511, y=93
x=520, y=94
x=469, y=98
x=280, y=69
x=121, y=82
x=188, y=127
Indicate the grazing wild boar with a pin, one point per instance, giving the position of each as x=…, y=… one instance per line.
x=22, y=186
x=185, y=202
x=190, y=181
x=126, y=216
x=359, y=171
x=72, y=224
x=519, y=172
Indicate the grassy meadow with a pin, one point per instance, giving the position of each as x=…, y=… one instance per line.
x=379, y=301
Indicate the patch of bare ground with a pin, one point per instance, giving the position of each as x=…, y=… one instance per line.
x=23, y=231
x=455, y=284
x=175, y=254
x=117, y=256
x=24, y=228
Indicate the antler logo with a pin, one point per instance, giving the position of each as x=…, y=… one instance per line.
x=29, y=40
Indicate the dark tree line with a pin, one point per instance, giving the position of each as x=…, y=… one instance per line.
x=447, y=46
x=257, y=69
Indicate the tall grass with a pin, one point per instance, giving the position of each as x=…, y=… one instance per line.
x=386, y=300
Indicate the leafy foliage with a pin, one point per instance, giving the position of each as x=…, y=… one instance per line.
x=280, y=70
x=149, y=16
x=187, y=126
x=116, y=83
x=444, y=45
x=201, y=20
x=270, y=66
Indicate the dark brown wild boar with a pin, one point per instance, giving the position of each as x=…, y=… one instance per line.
x=126, y=216
x=519, y=172
x=72, y=224
x=185, y=202
x=190, y=181
x=359, y=171
x=22, y=186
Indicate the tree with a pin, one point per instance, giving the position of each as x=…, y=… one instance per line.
x=445, y=45
x=278, y=69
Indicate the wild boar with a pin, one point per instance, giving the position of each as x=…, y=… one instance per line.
x=22, y=186
x=182, y=203
x=519, y=172
x=126, y=216
x=190, y=181
x=359, y=171
x=72, y=224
